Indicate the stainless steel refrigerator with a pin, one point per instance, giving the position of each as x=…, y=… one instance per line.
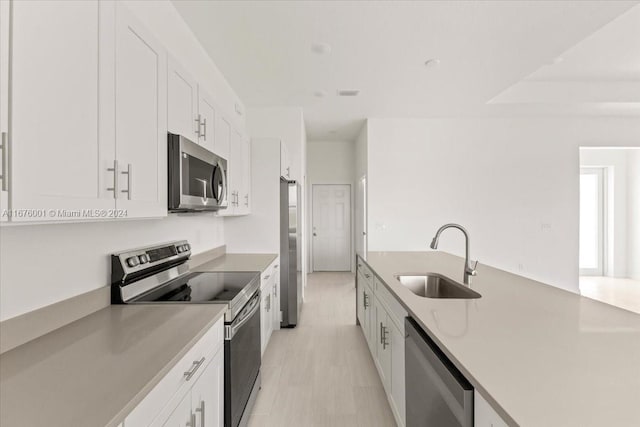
x=290, y=253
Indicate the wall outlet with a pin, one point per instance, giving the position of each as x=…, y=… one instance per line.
x=520, y=267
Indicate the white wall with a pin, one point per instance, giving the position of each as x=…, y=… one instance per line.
x=286, y=123
x=43, y=264
x=633, y=217
x=615, y=160
x=329, y=162
x=512, y=182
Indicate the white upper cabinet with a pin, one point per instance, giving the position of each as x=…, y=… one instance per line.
x=235, y=174
x=207, y=121
x=285, y=163
x=223, y=136
x=245, y=199
x=141, y=118
x=182, y=102
x=59, y=159
x=4, y=109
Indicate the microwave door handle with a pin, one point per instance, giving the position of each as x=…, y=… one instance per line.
x=204, y=190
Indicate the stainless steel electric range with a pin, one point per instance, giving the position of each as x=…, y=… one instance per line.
x=160, y=275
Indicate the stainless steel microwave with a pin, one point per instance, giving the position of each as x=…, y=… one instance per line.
x=197, y=177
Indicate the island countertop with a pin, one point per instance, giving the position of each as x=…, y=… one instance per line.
x=94, y=371
x=542, y=356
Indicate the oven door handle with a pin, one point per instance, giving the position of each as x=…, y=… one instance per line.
x=231, y=330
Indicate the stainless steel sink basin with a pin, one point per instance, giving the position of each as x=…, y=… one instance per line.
x=433, y=285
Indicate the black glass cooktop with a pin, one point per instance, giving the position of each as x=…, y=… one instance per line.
x=205, y=287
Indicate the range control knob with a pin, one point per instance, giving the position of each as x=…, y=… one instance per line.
x=144, y=258
x=133, y=261
x=187, y=247
x=180, y=249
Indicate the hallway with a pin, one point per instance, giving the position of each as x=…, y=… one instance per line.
x=321, y=372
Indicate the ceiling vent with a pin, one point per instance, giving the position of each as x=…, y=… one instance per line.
x=348, y=92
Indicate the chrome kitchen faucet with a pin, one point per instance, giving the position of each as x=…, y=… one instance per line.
x=468, y=270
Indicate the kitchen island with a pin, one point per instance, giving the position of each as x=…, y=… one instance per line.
x=540, y=355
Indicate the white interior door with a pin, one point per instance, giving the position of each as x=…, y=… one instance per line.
x=331, y=227
x=592, y=217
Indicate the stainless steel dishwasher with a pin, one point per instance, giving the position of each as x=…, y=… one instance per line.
x=437, y=394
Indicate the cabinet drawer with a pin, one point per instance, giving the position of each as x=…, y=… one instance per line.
x=366, y=272
x=396, y=311
x=269, y=274
x=175, y=382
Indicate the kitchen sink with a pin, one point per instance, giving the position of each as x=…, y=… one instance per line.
x=433, y=285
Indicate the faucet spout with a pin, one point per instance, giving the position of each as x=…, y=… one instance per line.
x=468, y=269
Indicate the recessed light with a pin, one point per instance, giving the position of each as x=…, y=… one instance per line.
x=348, y=92
x=432, y=63
x=320, y=94
x=321, y=48
x=333, y=132
x=558, y=60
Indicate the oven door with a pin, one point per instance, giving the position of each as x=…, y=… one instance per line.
x=242, y=360
x=197, y=177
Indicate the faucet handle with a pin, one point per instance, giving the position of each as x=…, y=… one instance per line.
x=474, y=268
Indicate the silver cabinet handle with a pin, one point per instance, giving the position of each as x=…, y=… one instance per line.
x=385, y=343
x=267, y=277
x=5, y=162
x=128, y=173
x=275, y=291
x=269, y=302
x=204, y=127
x=201, y=410
x=367, y=275
x=192, y=420
x=114, y=169
x=381, y=333
x=366, y=300
x=189, y=374
x=198, y=124
x=246, y=200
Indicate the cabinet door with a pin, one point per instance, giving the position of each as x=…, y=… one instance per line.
x=4, y=108
x=483, y=414
x=182, y=116
x=383, y=350
x=264, y=320
x=285, y=164
x=59, y=155
x=141, y=112
x=396, y=344
x=275, y=299
x=223, y=136
x=182, y=415
x=207, y=112
x=207, y=394
x=245, y=200
x=360, y=296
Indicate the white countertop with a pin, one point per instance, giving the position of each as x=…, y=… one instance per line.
x=542, y=356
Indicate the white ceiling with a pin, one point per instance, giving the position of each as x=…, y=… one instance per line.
x=600, y=73
x=264, y=50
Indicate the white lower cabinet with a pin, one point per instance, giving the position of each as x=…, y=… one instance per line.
x=192, y=393
x=382, y=320
x=269, y=306
x=483, y=414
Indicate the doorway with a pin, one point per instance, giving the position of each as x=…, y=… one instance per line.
x=592, y=221
x=609, y=244
x=331, y=227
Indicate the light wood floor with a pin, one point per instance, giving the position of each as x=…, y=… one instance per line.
x=321, y=372
x=623, y=293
